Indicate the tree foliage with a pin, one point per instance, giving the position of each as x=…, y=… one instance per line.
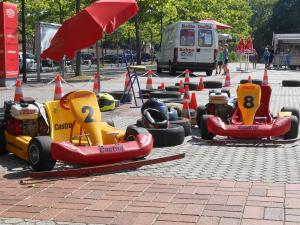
x=152, y=16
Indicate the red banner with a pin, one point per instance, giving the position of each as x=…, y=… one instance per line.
x=9, y=51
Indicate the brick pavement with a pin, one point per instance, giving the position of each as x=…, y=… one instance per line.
x=212, y=185
x=144, y=200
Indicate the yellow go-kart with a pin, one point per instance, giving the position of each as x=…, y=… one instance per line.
x=69, y=130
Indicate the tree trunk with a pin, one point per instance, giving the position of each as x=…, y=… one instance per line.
x=78, y=61
x=138, y=41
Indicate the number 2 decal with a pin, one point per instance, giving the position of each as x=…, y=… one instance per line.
x=89, y=118
x=248, y=102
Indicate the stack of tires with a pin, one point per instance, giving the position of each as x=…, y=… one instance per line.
x=169, y=129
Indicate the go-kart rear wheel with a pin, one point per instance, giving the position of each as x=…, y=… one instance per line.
x=2, y=138
x=134, y=130
x=293, y=132
x=39, y=154
x=294, y=111
x=204, y=130
x=201, y=110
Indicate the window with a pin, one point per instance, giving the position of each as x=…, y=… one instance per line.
x=187, y=37
x=205, y=38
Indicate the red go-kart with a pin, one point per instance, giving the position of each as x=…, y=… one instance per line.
x=252, y=118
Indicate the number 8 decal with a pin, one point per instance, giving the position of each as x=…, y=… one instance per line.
x=248, y=102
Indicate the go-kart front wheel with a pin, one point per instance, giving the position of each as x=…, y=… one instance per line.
x=201, y=110
x=205, y=134
x=39, y=154
x=2, y=138
x=293, y=110
x=293, y=132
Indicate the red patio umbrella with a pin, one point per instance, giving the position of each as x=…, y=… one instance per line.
x=249, y=46
x=87, y=27
x=241, y=46
x=219, y=26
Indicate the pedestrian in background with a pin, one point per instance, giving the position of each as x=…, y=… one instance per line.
x=266, y=57
x=253, y=59
x=288, y=59
x=225, y=58
x=219, y=61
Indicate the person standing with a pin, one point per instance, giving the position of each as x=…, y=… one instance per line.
x=266, y=57
x=253, y=59
x=219, y=61
x=288, y=59
x=225, y=58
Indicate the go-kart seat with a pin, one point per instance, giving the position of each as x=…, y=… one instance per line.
x=263, y=112
x=264, y=108
x=60, y=121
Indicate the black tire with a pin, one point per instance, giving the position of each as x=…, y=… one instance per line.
x=133, y=130
x=139, y=123
x=165, y=94
x=254, y=81
x=172, y=88
x=204, y=130
x=293, y=132
x=291, y=83
x=294, y=111
x=185, y=123
x=173, y=100
x=39, y=154
x=293, y=67
x=201, y=110
x=110, y=122
x=146, y=91
x=192, y=85
x=119, y=95
x=158, y=68
x=212, y=84
x=172, y=70
x=2, y=138
x=171, y=136
x=209, y=73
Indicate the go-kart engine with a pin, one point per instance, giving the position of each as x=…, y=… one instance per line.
x=218, y=104
x=23, y=119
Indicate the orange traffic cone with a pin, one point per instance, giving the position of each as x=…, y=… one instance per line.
x=187, y=92
x=18, y=91
x=181, y=87
x=185, y=110
x=249, y=79
x=58, y=88
x=162, y=86
x=227, y=80
x=149, y=85
x=187, y=76
x=265, y=79
x=193, y=102
x=127, y=82
x=96, y=88
x=201, y=85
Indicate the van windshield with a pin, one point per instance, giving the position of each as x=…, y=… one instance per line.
x=205, y=38
x=187, y=37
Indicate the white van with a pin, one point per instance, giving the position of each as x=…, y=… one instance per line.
x=286, y=50
x=188, y=45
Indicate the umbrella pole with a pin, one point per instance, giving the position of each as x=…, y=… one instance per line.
x=98, y=64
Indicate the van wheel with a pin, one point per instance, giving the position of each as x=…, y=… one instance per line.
x=209, y=73
x=172, y=70
x=158, y=69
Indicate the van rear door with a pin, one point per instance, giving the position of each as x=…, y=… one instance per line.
x=205, y=44
x=187, y=43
